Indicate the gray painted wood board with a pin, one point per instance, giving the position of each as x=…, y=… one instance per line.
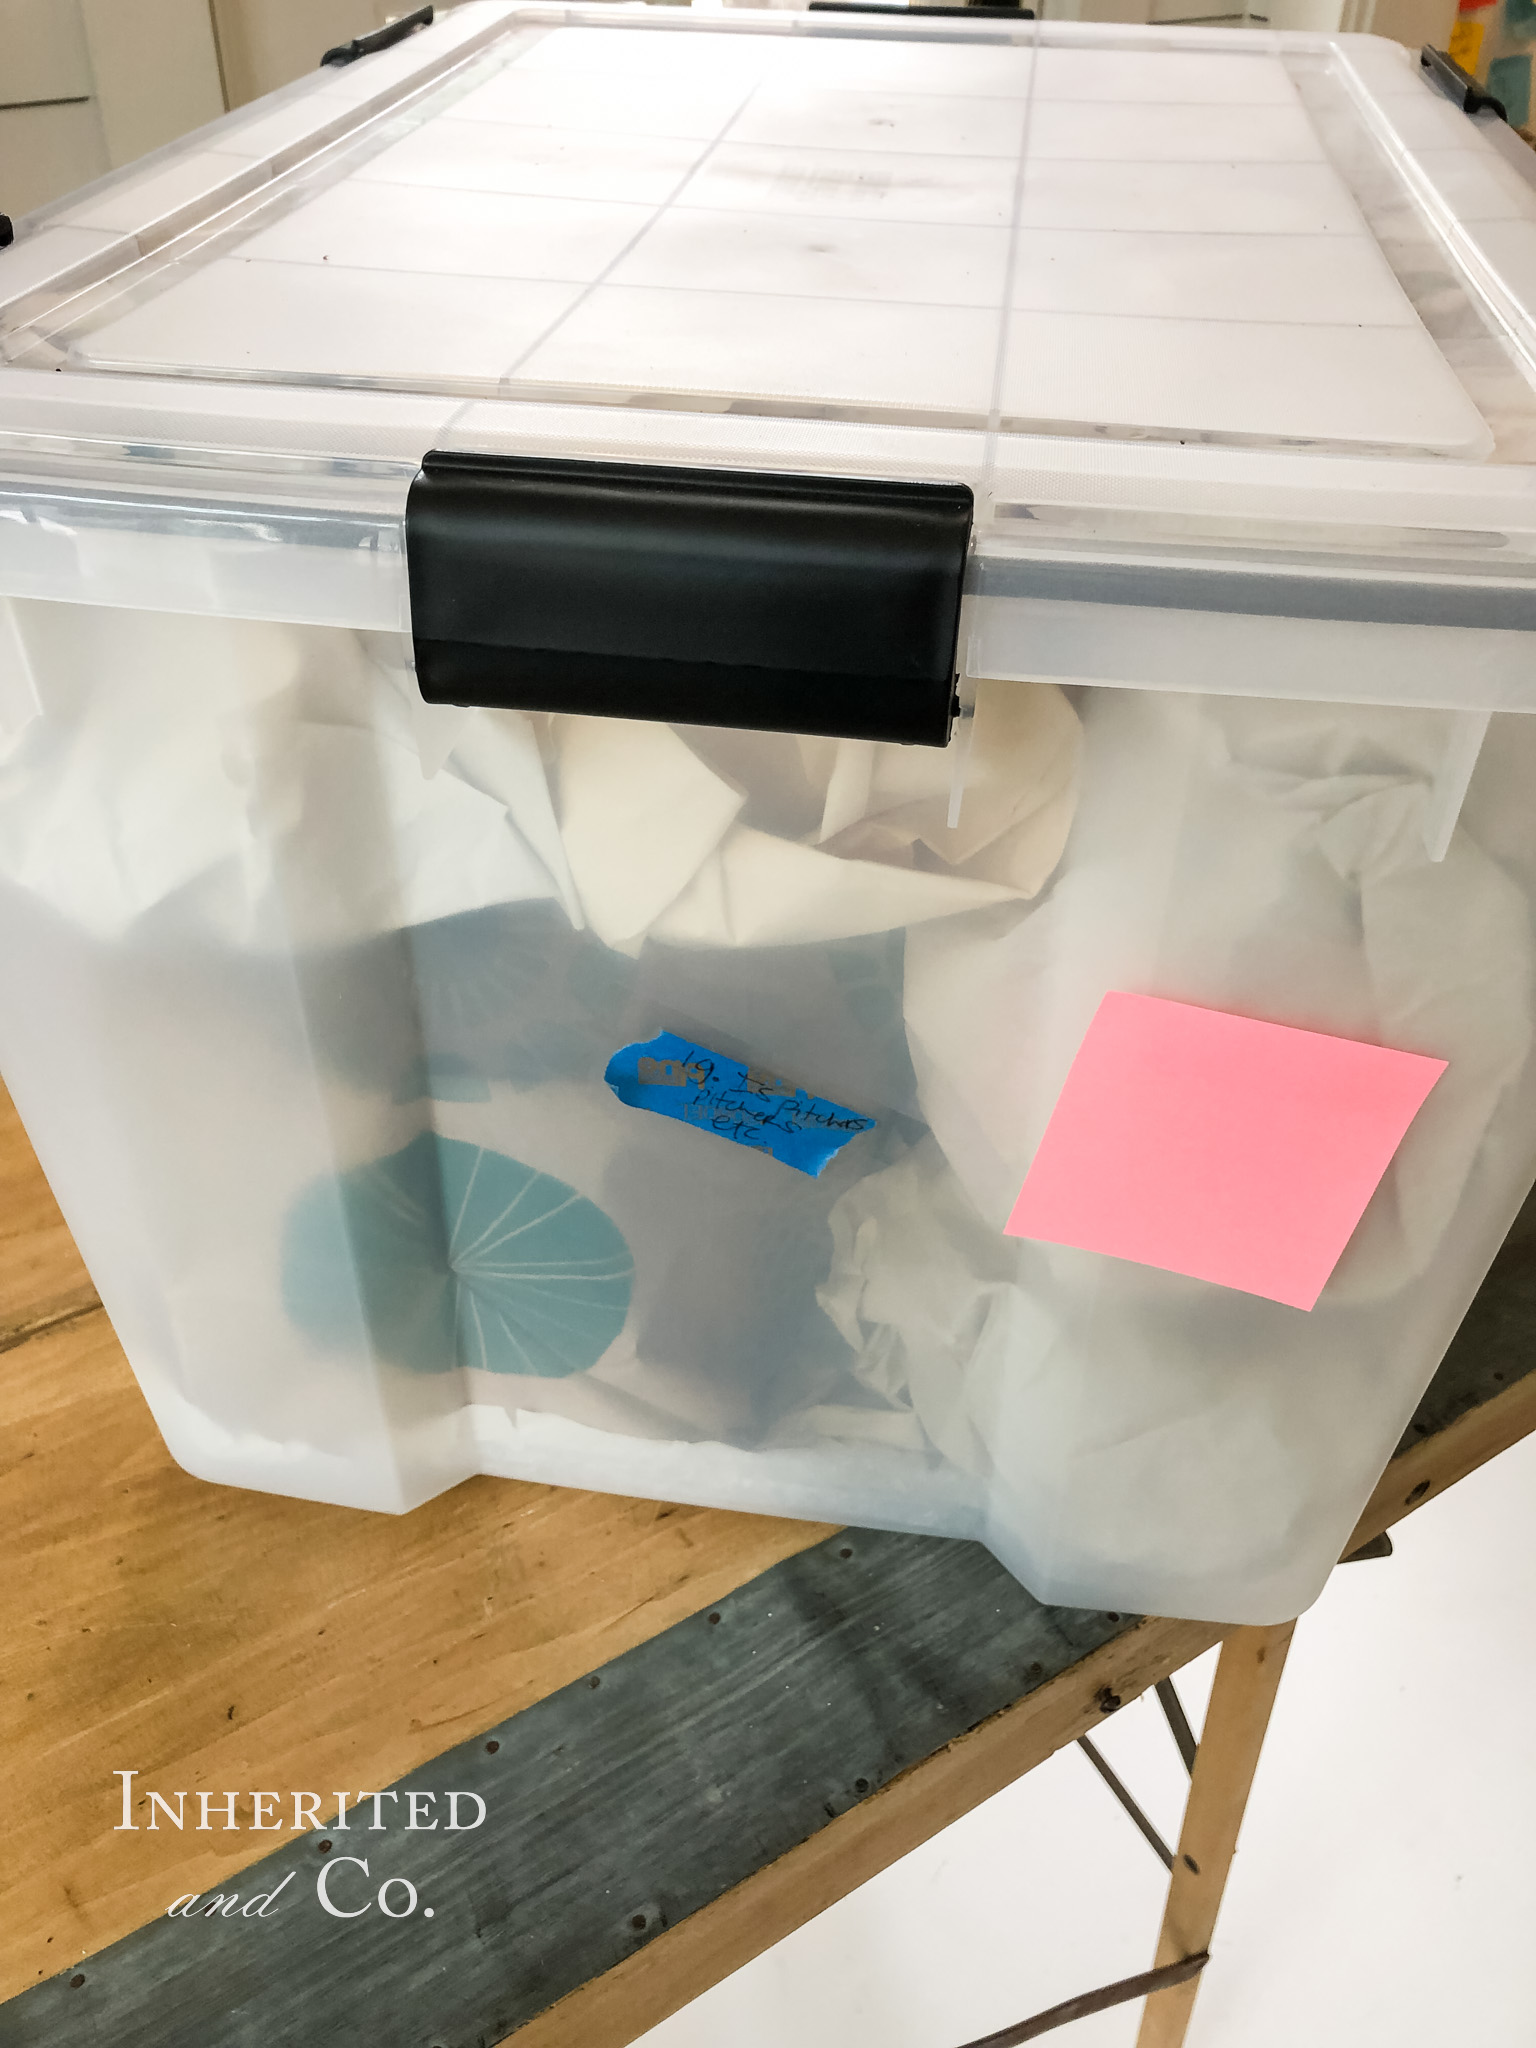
x=615, y=1808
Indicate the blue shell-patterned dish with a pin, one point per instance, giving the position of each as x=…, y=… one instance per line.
x=461, y=1257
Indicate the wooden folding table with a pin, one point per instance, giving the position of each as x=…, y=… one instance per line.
x=691, y=1730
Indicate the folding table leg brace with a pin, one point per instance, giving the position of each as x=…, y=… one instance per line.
x=1221, y=1771
x=1247, y=1679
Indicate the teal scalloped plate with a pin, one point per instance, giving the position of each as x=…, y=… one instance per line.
x=457, y=1256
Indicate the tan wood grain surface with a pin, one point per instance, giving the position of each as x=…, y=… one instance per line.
x=42, y=1277
x=214, y=1639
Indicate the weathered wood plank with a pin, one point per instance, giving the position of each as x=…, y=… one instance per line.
x=43, y=1280
x=619, y=1807
x=1495, y=1347
x=1482, y=1399
x=1433, y=1463
x=611, y=2010
x=212, y=1638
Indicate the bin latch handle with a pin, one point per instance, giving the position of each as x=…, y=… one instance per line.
x=748, y=598
x=383, y=38
x=1458, y=85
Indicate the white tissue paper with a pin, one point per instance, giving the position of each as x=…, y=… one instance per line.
x=288, y=787
x=927, y=1298
x=1151, y=1440
x=265, y=783
x=1294, y=886
x=721, y=839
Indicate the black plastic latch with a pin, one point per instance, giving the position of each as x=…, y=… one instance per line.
x=381, y=38
x=7, y=232
x=1459, y=86
x=732, y=597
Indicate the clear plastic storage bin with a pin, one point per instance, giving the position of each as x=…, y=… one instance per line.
x=623, y=632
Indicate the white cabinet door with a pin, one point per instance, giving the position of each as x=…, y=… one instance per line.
x=1134, y=11
x=265, y=43
x=42, y=52
x=47, y=151
x=156, y=71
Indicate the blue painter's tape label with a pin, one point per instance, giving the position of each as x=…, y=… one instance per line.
x=748, y=1105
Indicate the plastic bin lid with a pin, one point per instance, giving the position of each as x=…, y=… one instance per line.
x=1227, y=330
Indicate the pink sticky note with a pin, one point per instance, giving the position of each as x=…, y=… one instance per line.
x=1217, y=1146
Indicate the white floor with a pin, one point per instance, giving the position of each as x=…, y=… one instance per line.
x=1384, y=1893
